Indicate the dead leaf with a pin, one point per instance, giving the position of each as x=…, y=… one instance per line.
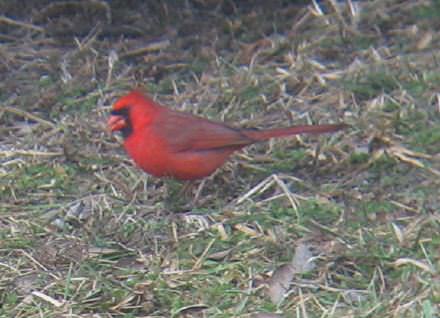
x=58, y=251
x=23, y=285
x=279, y=283
x=302, y=260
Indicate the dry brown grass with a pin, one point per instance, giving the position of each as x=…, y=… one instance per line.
x=84, y=233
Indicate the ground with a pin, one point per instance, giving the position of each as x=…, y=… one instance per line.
x=340, y=225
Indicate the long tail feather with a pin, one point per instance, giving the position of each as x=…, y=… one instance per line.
x=261, y=135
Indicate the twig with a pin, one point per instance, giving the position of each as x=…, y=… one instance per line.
x=11, y=153
x=27, y=115
x=20, y=24
x=198, y=263
x=155, y=46
x=47, y=298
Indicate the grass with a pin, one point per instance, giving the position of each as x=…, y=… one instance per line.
x=85, y=233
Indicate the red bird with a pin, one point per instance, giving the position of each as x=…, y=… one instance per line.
x=168, y=143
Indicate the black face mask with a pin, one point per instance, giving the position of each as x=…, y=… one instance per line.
x=124, y=113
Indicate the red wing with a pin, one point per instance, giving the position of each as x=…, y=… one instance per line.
x=183, y=132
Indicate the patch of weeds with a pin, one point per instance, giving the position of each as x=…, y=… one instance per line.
x=88, y=104
x=110, y=296
x=199, y=65
x=362, y=41
x=268, y=307
x=296, y=154
x=370, y=85
x=46, y=81
x=373, y=251
x=274, y=214
x=287, y=160
x=349, y=278
x=420, y=83
x=16, y=242
x=29, y=179
x=391, y=107
x=429, y=12
x=216, y=290
x=75, y=100
x=416, y=87
x=430, y=310
x=248, y=92
x=165, y=86
x=8, y=301
x=278, y=213
x=324, y=213
x=373, y=208
x=432, y=78
x=358, y=158
x=151, y=88
x=90, y=162
x=249, y=97
x=410, y=121
x=177, y=196
x=331, y=43
x=165, y=296
x=389, y=181
x=383, y=164
x=427, y=139
x=197, y=246
x=156, y=227
x=129, y=228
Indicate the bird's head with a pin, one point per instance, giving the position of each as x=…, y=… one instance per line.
x=129, y=111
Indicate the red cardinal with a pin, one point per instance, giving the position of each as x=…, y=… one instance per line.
x=168, y=143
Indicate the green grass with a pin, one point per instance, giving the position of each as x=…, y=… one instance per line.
x=84, y=228
x=427, y=139
x=372, y=84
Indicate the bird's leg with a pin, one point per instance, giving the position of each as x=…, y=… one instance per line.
x=186, y=190
x=198, y=191
x=176, y=195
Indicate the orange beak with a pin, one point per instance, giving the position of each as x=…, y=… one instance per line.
x=116, y=123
